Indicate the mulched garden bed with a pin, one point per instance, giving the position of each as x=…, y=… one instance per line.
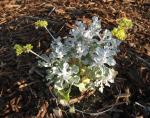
x=23, y=91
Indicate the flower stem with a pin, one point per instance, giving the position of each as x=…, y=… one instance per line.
x=49, y=33
x=38, y=55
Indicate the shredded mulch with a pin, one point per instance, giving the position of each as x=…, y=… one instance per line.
x=23, y=89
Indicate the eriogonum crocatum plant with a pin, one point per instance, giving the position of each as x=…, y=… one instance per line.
x=80, y=60
x=84, y=59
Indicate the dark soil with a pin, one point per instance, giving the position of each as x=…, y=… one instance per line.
x=23, y=90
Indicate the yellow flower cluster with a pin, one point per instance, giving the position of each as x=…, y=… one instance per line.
x=41, y=23
x=123, y=25
x=22, y=49
x=119, y=33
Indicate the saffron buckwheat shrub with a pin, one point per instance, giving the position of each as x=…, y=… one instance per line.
x=84, y=59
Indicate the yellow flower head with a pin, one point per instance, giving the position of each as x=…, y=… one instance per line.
x=119, y=33
x=19, y=49
x=22, y=49
x=41, y=23
x=125, y=23
x=27, y=48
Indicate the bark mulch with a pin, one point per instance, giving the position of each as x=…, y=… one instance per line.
x=23, y=90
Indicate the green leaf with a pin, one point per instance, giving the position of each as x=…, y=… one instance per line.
x=65, y=94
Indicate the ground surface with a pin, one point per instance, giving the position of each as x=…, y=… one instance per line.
x=24, y=94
